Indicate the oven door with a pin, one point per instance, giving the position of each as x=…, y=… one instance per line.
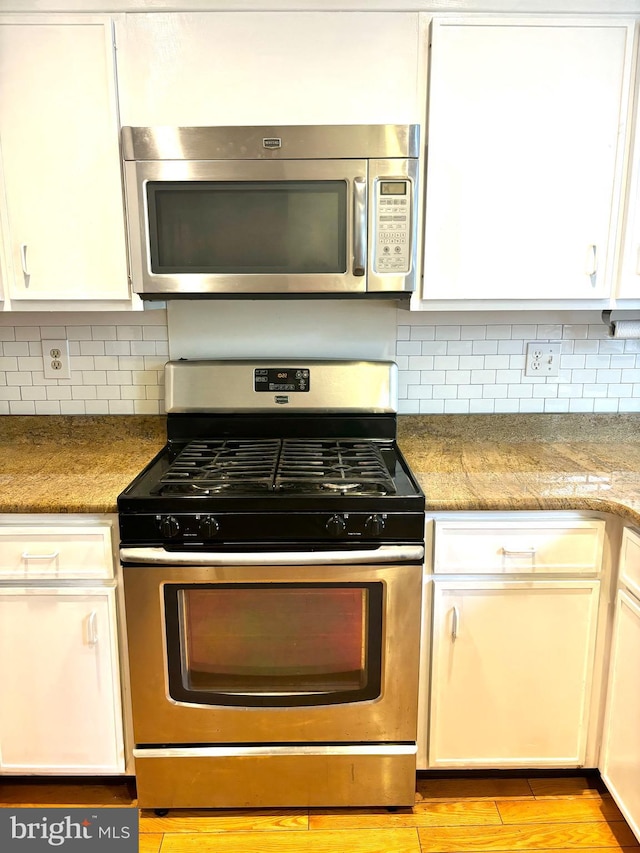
x=257, y=652
x=238, y=227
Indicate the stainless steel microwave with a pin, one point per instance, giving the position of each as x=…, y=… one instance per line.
x=298, y=210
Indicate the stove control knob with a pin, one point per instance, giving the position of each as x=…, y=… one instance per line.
x=336, y=525
x=375, y=525
x=169, y=526
x=208, y=527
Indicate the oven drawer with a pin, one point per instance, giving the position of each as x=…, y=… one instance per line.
x=55, y=552
x=518, y=547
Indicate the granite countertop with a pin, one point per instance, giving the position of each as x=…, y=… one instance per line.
x=463, y=462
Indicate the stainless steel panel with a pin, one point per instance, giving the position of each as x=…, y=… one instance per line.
x=278, y=777
x=228, y=386
x=392, y=717
x=161, y=557
x=303, y=142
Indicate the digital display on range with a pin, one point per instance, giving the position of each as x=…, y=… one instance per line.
x=281, y=379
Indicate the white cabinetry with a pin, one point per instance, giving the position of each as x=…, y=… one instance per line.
x=526, y=140
x=620, y=760
x=60, y=694
x=270, y=68
x=512, y=655
x=65, y=233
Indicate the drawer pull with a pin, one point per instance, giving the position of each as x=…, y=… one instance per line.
x=521, y=552
x=27, y=556
x=455, y=620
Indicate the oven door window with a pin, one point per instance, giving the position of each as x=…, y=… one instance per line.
x=274, y=644
x=242, y=227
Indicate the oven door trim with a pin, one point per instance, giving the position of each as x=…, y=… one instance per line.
x=158, y=556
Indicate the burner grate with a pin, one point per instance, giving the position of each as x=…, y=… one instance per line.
x=290, y=465
x=210, y=467
x=336, y=467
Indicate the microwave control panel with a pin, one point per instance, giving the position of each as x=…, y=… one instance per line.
x=393, y=226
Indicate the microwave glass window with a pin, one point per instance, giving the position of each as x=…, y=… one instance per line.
x=240, y=227
x=274, y=644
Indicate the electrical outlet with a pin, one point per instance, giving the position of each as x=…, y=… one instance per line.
x=543, y=358
x=55, y=359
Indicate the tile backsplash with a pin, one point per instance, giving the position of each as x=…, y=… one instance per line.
x=479, y=368
x=117, y=363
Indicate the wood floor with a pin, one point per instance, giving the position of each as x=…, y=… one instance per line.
x=461, y=815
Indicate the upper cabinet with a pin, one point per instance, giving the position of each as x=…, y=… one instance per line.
x=269, y=68
x=63, y=220
x=526, y=138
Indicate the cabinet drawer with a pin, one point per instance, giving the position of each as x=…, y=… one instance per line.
x=505, y=547
x=630, y=561
x=53, y=553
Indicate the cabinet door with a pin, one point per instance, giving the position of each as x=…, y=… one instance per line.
x=511, y=673
x=59, y=140
x=60, y=709
x=526, y=137
x=620, y=764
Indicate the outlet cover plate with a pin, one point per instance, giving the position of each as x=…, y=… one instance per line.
x=55, y=359
x=543, y=358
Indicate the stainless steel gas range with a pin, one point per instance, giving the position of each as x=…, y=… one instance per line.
x=272, y=557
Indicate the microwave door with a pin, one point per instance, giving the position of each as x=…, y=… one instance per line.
x=240, y=227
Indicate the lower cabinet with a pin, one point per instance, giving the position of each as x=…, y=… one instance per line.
x=61, y=681
x=511, y=672
x=60, y=705
x=620, y=758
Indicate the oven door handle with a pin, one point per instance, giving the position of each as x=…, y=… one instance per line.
x=383, y=554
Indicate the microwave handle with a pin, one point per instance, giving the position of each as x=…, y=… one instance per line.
x=359, y=226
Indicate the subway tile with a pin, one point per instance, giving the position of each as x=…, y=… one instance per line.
x=432, y=377
x=603, y=361
x=129, y=333
x=26, y=407
x=520, y=391
x=581, y=405
x=72, y=407
x=508, y=376
x=628, y=405
x=58, y=392
x=608, y=376
x=470, y=392
x=456, y=407
x=144, y=348
x=608, y=405
x=585, y=376
x=471, y=362
x=575, y=332
x=531, y=406
x=549, y=331
x=9, y=392
x=146, y=407
x=20, y=348
x=481, y=407
x=506, y=406
x=524, y=331
x=620, y=391
x=117, y=348
x=108, y=392
x=423, y=333
x=29, y=363
x=403, y=333
x=539, y=392
x=97, y=407
x=485, y=347
x=446, y=362
x=420, y=392
x=18, y=378
x=402, y=361
x=94, y=377
x=7, y=333
x=568, y=391
x=406, y=348
x=133, y=392
x=632, y=375
x=91, y=347
x=104, y=333
x=78, y=333
x=447, y=333
x=483, y=377
x=496, y=362
x=572, y=362
x=432, y=407
x=119, y=377
x=4, y=408
x=594, y=390
x=154, y=333
x=584, y=347
x=27, y=333
x=556, y=406
x=459, y=348
x=473, y=333
x=48, y=333
x=445, y=392
x=495, y=391
x=500, y=332
x=420, y=362
x=33, y=392
x=106, y=362
x=615, y=347
x=84, y=392
x=510, y=347
x=624, y=361
x=434, y=348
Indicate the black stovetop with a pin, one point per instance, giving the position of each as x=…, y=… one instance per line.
x=239, y=488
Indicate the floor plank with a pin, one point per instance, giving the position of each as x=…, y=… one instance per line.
x=561, y=810
x=204, y=820
x=423, y=814
x=338, y=841
x=480, y=788
x=547, y=836
x=567, y=786
x=150, y=842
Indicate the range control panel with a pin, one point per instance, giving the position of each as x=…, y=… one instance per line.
x=393, y=226
x=281, y=379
